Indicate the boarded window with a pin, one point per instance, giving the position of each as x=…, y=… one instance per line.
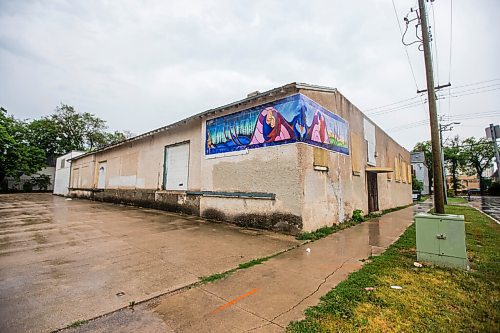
x=409, y=175
x=396, y=169
x=403, y=172
x=388, y=164
x=369, y=131
x=356, y=153
x=76, y=176
x=320, y=157
x=400, y=168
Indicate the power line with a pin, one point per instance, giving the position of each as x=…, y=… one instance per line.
x=398, y=108
x=461, y=90
x=383, y=106
x=406, y=50
x=434, y=40
x=476, y=83
x=458, y=91
x=474, y=93
x=463, y=116
x=451, y=43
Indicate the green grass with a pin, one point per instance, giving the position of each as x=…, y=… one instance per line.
x=245, y=265
x=78, y=323
x=325, y=231
x=432, y=300
x=423, y=198
x=456, y=200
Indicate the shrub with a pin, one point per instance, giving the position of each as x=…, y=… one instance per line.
x=357, y=216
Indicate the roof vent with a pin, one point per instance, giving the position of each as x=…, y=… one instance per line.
x=254, y=93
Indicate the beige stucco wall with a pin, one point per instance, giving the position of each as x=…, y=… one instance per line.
x=273, y=170
x=331, y=196
x=319, y=197
x=139, y=164
x=268, y=170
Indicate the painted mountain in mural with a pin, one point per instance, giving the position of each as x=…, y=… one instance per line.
x=296, y=118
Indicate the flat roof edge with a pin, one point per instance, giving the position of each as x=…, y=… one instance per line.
x=280, y=89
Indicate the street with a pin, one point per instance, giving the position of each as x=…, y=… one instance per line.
x=488, y=205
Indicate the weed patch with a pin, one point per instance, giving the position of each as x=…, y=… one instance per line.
x=78, y=323
x=357, y=217
x=456, y=200
x=245, y=265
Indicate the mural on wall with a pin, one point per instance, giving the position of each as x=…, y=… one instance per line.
x=291, y=119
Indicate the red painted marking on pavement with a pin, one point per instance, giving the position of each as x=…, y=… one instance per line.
x=234, y=301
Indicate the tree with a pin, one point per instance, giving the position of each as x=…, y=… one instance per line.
x=78, y=131
x=17, y=154
x=82, y=131
x=426, y=147
x=454, y=158
x=477, y=157
x=45, y=134
x=416, y=184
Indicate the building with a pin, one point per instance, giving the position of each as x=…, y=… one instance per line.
x=420, y=170
x=62, y=173
x=25, y=182
x=293, y=158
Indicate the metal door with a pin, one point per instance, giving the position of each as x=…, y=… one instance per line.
x=371, y=178
x=176, y=167
x=101, y=180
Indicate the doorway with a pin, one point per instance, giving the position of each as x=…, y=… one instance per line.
x=371, y=178
x=176, y=169
x=101, y=178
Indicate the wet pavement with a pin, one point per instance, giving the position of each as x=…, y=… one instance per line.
x=63, y=261
x=488, y=205
x=265, y=297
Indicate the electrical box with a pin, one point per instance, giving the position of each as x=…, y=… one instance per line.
x=441, y=240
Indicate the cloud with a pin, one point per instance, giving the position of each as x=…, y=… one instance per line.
x=143, y=64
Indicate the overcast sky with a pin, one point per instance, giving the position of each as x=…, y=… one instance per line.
x=140, y=65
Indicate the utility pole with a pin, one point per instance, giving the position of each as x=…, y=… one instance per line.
x=444, y=128
x=431, y=96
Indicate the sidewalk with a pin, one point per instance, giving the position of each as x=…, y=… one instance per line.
x=266, y=297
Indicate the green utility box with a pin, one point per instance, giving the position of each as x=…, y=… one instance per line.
x=441, y=240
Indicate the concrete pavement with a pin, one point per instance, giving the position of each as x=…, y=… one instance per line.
x=266, y=297
x=63, y=261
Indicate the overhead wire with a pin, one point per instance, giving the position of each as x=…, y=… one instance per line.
x=458, y=91
x=474, y=93
x=406, y=50
x=464, y=116
x=449, y=66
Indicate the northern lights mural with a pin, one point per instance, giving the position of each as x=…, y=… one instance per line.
x=296, y=118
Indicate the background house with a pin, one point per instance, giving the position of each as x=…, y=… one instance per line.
x=420, y=170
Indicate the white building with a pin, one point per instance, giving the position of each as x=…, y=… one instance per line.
x=62, y=172
x=420, y=170
x=25, y=180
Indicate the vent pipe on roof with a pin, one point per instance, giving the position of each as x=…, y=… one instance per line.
x=253, y=94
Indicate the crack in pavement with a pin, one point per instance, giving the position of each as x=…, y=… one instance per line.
x=302, y=300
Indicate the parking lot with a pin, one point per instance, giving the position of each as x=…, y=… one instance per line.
x=67, y=260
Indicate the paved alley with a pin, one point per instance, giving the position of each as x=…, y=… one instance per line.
x=266, y=297
x=63, y=261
